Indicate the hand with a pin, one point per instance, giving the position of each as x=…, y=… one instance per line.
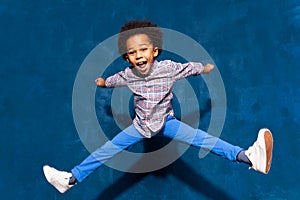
x=100, y=82
x=208, y=68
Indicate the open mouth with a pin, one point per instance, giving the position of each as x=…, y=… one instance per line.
x=141, y=64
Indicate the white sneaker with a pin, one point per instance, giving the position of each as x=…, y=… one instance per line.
x=59, y=179
x=260, y=153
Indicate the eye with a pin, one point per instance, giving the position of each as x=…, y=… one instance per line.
x=130, y=53
x=144, y=49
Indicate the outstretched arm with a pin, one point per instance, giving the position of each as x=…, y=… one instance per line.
x=184, y=70
x=100, y=82
x=208, y=68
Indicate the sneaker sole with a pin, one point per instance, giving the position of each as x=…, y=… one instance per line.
x=269, y=148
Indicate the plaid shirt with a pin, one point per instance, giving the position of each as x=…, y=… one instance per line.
x=153, y=93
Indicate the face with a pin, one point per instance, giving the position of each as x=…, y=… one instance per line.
x=141, y=53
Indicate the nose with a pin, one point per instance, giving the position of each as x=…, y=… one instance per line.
x=138, y=55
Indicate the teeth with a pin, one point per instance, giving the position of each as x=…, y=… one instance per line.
x=141, y=63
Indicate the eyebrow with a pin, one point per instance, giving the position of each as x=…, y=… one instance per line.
x=140, y=45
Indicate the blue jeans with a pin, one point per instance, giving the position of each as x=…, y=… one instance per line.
x=173, y=129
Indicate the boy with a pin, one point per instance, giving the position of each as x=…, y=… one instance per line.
x=151, y=81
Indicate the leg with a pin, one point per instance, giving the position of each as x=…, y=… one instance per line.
x=179, y=131
x=62, y=180
x=123, y=140
x=258, y=156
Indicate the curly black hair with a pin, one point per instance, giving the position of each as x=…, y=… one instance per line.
x=139, y=27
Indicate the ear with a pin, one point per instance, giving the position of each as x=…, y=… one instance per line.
x=155, y=51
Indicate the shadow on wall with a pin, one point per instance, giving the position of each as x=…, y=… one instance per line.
x=178, y=169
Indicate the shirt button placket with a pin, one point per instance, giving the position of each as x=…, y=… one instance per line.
x=147, y=84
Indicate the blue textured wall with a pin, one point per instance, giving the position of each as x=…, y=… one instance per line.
x=255, y=44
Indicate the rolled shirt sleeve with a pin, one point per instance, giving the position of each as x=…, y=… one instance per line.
x=187, y=69
x=116, y=80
